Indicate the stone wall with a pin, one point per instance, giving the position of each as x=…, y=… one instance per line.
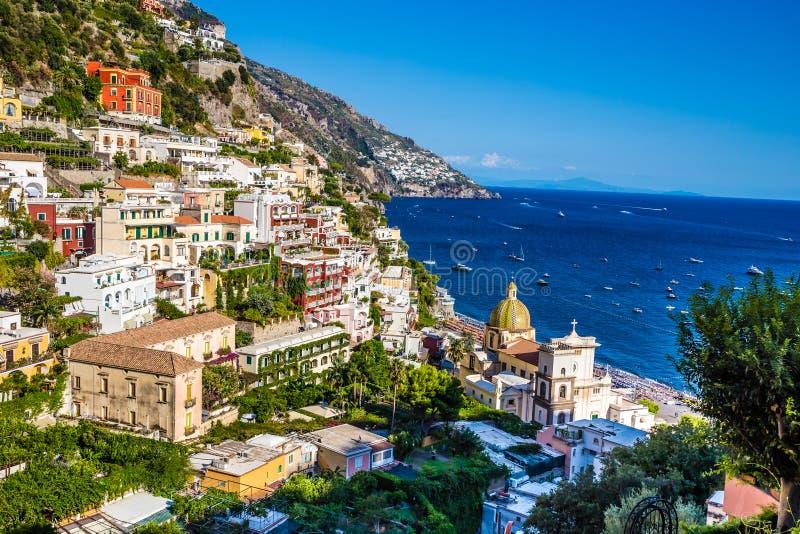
x=88, y=177
x=271, y=330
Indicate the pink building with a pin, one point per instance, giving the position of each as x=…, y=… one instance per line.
x=351, y=449
x=353, y=315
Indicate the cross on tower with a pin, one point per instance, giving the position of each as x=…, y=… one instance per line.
x=574, y=324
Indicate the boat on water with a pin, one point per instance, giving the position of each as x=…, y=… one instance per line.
x=754, y=271
x=560, y=214
x=787, y=239
x=608, y=288
x=669, y=289
x=659, y=267
x=587, y=295
x=670, y=307
x=694, y=260
x=635, y=283
x=430, y=261
x=474, y=250
x=737, y=288
x=576, y=266
x=672, y=296
x=690, y=275
x=604, y=260
x=625, y=212
x=546, y=275
x=505, y=243
x=684, y=312
x=595, y=208
x=617, y=304
x=637, y=310
x=461, y=268
x=673, y=281
x=542, y=282
x=521, y=256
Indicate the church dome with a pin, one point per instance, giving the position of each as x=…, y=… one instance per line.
x=510, y=313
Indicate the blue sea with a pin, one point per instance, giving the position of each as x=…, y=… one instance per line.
x=604, y=240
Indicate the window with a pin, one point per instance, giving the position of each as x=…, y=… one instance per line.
x=188, y=392
x=66, y=234
x=514, y=369
x=543, y=390
x=291, y=459
x=132, y=417
x=205, y=236
x=132, y=390
x=229, y=236
x=503, y=366
x=563, y=372
x=596, y=391
x=545, y=369
x=188, y=420
x=104, y=412
x=195, y=238
x=41, y=216
x=247, y=237
x=9, y=355
x=103, y=384
x=207, y=348
x=11, y=110
x=76, y=382
x=249, y=360
x=188, y=352
x=162, y=393
x=80, y=232
x=280, y=469
x=205, y=219
x=114, y=78
x=225, y=342
x=35, y=349
x=596, y=441
x=510, y=402
x=359, y=462
x=522, y=373
x=77, y=409
x=562, y=392
x=181, y=250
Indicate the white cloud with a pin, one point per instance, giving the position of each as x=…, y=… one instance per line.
x=569, y=168
x=494, y=160
x=457, y=159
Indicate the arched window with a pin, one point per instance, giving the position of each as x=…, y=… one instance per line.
x=543, y=390
x=11, y=110
x=545, y=369
x=324, y=360
x=195, y=238
x=562, y=392
x=562, y=418
x=563, y=372
x=166, y=251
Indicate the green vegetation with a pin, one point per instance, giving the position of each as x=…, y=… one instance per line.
x=741, y=354
x=154, y=168
x=379, y=197
x=168, y=310
x=220, y=383
x=41, y=394
x=72, y=468
x=677, y=462
x=652, y=406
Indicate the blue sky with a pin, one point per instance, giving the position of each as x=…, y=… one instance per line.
x=700, y=96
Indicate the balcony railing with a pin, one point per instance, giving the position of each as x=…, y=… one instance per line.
x=189, y=403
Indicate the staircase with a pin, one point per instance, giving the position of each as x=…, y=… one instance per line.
x=54, y=178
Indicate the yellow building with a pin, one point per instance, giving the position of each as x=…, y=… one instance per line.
x=10, y=104
x=19, y=343
x=250, y=471
x=260, y=134
x=509, y=320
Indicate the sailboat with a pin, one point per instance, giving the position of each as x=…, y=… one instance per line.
x=430, y=261
x=659, y=267
x=521, y=256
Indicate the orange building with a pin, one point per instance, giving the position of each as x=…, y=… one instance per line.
x=127, y=92
x=152, y=6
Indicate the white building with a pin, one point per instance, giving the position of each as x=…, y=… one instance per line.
x=585, y=442
x=276, y=216
x=109, y=141
x=119, y=290
x=25, y=171
x=513, y=507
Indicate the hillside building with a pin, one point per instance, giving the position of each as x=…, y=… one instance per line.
x=127, y=92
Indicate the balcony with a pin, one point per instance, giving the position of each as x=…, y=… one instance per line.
x=189, y=403
x=190, y=430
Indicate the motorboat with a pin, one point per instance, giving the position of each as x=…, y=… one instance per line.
x=690, y=275
x=684, y=312
x=669, y=289
x=754, y=271
x=737, y=288
x=637, y=310
x=521, y=256
x=460, y=267
x=617, y=304
x=635, y=283
x=695, y=260
x=561, y=213
x=659, y=267
x=542, y=282
x=608, y=288
x=670, y=307
x=673, y=281
x=576, y=266
x=604, y=260
x=672, y=296
x=546, y=275
x=587, y=295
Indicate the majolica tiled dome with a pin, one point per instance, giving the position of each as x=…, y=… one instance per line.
x=510, y=313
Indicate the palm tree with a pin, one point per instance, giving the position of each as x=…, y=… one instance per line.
x=457, y=350
x=45, y=311
x=396, y=370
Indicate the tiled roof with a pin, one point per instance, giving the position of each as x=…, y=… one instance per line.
x=185, y=219
x=247, y=162
x=230, y=219
x=524, y=350
x=159, y=362
x=134, y=184
x=166, y=330
x=16, y=156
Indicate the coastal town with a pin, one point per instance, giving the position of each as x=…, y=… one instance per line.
x=204, y=329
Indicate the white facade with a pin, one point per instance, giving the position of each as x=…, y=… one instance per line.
x=110, y=141
x=275, y=215
x=23, y=171
x=119, y=290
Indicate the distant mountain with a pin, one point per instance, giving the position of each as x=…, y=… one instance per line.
x=584, y=184
x=380, y=159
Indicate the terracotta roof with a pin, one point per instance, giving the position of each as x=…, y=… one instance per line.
x=134, y=184
x=247, y=162
x=185, y=219
x=162, y=331
x=524, y=350
x=230, y=219
x=17, y=156
x=158, y=362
